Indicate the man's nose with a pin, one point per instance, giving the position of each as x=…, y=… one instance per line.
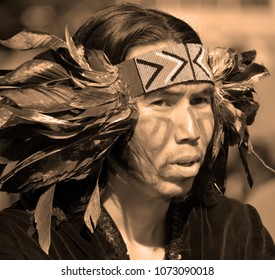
x=186, y=125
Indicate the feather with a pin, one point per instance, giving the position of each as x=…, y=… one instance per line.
x=96, y=111
x=99, y=61
x=57, y=163
x=93, y=210
x=93, y=65
x=102, y=71
x=14, y=150
x=41, y=98
x=235, y=75
x=32, y=116
x=35, y=71
x=27, y=40
x=5, y=116
x=247, y=84
x=221, y=61
x=76, y=53
x=47, y=167
x=42, y=216
x=248, y=57
x=217, y=141
x=232, y=119
x=89, y=97
x=101, y=79
x=245, y=165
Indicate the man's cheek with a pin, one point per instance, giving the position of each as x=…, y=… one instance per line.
x=206, y=125
x=153, y=132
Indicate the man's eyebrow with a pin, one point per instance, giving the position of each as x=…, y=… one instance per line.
x=161, y=93
x=206, y=91
x=166, y=92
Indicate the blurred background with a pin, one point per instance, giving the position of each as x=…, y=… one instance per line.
x=242, y=24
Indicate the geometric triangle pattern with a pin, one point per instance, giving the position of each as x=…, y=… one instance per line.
x=176, y=63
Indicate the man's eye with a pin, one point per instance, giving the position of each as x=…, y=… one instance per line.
x=160, y=103
x=200, y=100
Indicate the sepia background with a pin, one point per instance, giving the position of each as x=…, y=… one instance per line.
x=242, y=24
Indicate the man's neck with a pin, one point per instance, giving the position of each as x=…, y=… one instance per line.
x=139, y=215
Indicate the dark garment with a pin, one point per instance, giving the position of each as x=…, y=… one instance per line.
x=226, y=230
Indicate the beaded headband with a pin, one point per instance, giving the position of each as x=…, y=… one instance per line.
x=174, y=64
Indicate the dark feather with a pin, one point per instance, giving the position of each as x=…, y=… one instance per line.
x=242, y=151
x=249, y=72
x=248, y=57
x=53, y=165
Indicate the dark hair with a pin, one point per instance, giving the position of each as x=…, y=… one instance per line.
x=116, y=30
x=119, y=28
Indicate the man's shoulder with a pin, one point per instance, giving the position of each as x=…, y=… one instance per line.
x=234, y=227
x=232, y=208
x=224, y=201
x=221, y=210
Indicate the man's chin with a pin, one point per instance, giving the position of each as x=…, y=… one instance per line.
x=177, y=190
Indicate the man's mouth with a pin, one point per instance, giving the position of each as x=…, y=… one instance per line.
x=188, y=163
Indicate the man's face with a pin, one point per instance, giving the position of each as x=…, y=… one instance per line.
x=170, y=139
x=171, y=136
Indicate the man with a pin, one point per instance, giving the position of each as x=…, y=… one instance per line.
x=127, y=160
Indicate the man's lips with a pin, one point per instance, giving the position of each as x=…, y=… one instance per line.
x=181, y=167
x=189, y=163
x=186, y=160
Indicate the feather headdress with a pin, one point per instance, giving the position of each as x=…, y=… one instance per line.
x=235, y=76
x=60, y=118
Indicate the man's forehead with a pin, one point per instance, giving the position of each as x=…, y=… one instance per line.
x=192, y=88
